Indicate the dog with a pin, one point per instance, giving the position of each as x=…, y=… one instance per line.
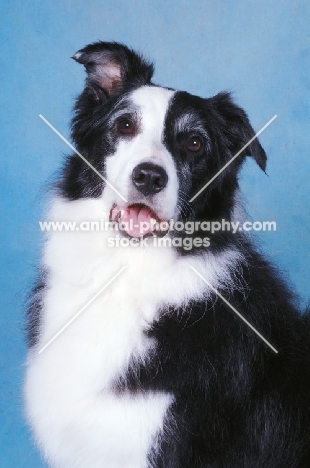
x=147, y=363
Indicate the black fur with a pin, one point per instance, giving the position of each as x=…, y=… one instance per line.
x=237, y=404
x=91, y=132
x=225, y=129
x=34, y=310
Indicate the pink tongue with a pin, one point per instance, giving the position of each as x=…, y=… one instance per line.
x=135, y=220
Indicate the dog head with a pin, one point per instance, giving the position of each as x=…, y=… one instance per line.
x=156, y=146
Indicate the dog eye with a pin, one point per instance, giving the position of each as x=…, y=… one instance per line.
x=125, y=127
x=194, y=144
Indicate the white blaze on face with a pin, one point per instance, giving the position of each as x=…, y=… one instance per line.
x=152, y=104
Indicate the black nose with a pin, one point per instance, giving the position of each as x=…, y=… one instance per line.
x=149, y=178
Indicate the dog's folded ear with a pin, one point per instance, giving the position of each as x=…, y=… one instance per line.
x=236, y=129
x=112, y=66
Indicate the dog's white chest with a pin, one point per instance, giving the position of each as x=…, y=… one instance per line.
x=80, y=420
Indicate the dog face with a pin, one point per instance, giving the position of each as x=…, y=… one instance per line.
x=156, y=146
x=142, y=168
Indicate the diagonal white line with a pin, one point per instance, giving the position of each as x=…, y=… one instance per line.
x=235, y=310
x=233, y=158
x=81, y=310
x=82, y=157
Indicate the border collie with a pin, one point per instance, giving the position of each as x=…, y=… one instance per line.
x=157, y=371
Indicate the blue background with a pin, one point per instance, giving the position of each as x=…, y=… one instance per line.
x=257, y=49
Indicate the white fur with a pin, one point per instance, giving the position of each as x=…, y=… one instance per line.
x=77, y=418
